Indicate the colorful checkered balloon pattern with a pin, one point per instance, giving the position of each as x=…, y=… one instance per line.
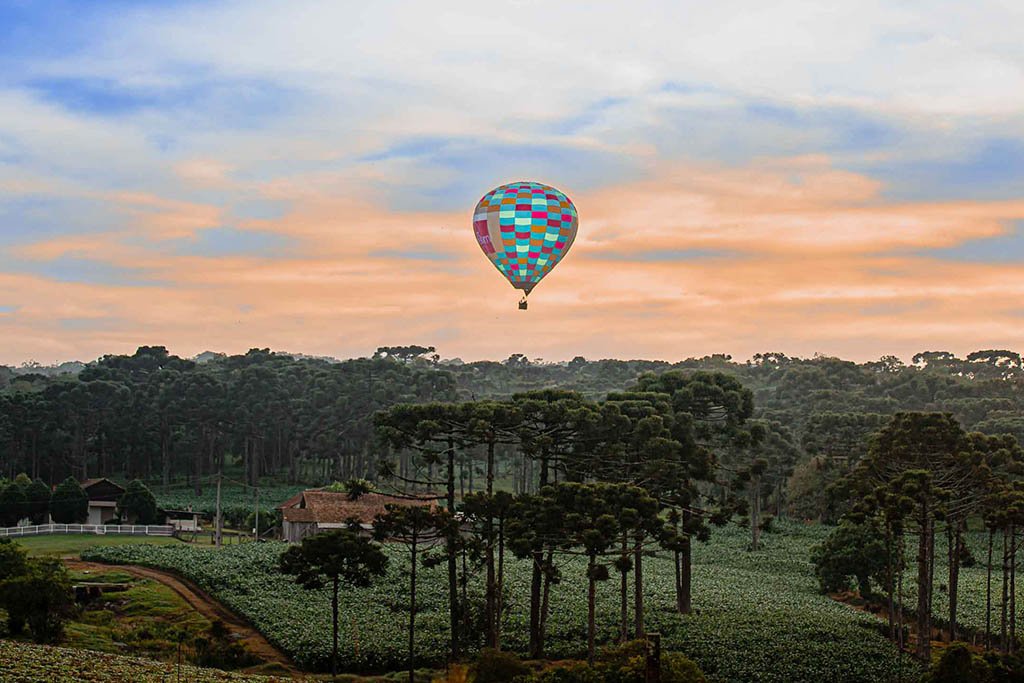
x=525, y=228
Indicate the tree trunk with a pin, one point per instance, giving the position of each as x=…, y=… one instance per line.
x=334, y=630
x=453, y=561
x=1006, y=577
x=988, y=593
x=755, y=514
x=545, y=602
x=953, y=540
x=591, y=595
x=684, y=599
x=499, y=599
x=679, y=579
x=924, y=622
x=412, y=612
x=1013, y=588
x=536, y=630
x=536, y=644
x=490, y=598
x=890, y=575
x=899, y=595
x=165, y=455
x=624, y=590
x=638, y=587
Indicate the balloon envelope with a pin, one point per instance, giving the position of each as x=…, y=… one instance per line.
x=525, y=229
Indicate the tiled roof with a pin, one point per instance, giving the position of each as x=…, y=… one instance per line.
x=92, y=482
x=328, y=507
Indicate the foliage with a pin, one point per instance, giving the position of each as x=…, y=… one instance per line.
x=26, y=662
x=69, y=503
x=39, y=596
x=13, y=559
x=13, y=504
x=572, y=672
x=37, y=501
x=626, y=663
x=758, y=616
x=958, y=665
x=497, y=666
x=238, y=502
x=215, y=648
x=851, y=551
x=137, y=503
x=334, y=557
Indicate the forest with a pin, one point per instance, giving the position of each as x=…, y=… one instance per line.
x=164, y=419
x=896, y=484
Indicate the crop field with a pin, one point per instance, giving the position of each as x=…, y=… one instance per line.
x=238, y=502
x=26, y=663
x=971, y=586
x=758, y=615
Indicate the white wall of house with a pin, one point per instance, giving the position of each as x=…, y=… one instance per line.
x=101, y=512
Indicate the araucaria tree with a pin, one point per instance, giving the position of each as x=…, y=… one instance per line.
x=417, y=528
x=923, y=469
x=334, y=558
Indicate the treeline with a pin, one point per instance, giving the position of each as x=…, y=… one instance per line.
x=24, y=499
x=924, y=478
x=165, y=419
x=617, y=478
x=155, y=416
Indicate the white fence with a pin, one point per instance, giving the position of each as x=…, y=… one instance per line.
x=98, y=529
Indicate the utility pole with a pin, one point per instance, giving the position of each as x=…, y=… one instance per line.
x=256, y=531
x=219, y=518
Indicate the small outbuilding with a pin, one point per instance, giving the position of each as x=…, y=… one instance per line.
x=316, y=510
x=182, y=520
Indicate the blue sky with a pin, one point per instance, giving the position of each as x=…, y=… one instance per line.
x=224, y=153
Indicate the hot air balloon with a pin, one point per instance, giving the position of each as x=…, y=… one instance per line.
x=525, y=229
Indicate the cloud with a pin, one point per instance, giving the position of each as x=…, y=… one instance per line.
x=416, y=254
x=1005, y=248
x=226, y=241
x=841, y=179
x=84, y=270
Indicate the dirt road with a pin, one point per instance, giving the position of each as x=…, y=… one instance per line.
x=202, y=603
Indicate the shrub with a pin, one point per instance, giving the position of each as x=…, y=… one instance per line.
x=69, y=503
x=956, y=664
x=12, y=504
x=851, y=550
x=216, y=649
x=137, y=505
x=627, y=663
x=496, y=666
x=37, y=505
x=41, y=597
x=571, y=673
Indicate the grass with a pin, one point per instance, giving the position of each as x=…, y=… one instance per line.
x=144, y=620
x=71, y=545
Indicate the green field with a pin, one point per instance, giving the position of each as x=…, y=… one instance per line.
x=70, y=545
x=758, y=615
x=26, y=663
x=143, y=620
x=237, y=502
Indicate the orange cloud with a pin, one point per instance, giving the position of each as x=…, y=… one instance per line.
x=815, y=261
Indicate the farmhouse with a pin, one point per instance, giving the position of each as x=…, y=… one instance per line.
x=316, y=510
x=103, y=496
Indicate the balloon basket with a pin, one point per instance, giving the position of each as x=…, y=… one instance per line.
x=522, y=304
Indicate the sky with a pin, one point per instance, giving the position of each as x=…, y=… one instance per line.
x=844, y=178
